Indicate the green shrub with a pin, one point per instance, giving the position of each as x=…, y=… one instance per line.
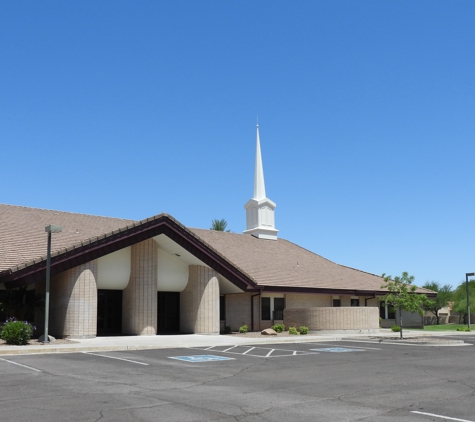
x=293, y=330
x=303, y=329
x=243, y=329
x=278, y=328
x=16, y=332
x=396, y=328
x=463, y=329
x=227, y=329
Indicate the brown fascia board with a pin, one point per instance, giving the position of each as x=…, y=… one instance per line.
x=284, y=289
x=85, y=251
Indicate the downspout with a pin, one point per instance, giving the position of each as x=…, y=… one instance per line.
x=252, y=310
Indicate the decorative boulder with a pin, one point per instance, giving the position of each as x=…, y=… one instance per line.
x=50, y=338
x=268, y=332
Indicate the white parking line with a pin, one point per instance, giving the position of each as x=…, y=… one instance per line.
x=112, y=357
x=23, y=366
x=354, y=347
x=269, y=352
x=440, y=416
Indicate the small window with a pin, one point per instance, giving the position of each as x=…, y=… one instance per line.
x=265, y=308
x=336, y=303
x=382, y=311
x=355, y=302
x=279, y=308
x=222, y=308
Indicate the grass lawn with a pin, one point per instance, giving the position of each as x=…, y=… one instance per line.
x=444, y=327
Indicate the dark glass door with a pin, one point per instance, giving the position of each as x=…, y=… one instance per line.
x=109, y=312
x=168, y=312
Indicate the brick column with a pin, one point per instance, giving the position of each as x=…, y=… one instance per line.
x=199, y=302
x=73, y=310
x=139, y=300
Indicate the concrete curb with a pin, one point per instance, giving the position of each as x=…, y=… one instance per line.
x=78, y=348
x=197, y=341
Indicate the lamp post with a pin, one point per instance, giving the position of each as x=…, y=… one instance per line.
x=48, y=229
x=467, y=275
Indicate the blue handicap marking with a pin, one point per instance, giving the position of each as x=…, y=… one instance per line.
x=201, y=358
x=336, y=350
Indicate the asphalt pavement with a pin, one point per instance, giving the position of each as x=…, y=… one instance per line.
x=217, y=378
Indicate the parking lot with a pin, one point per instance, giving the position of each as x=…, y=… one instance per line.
x=345, y=380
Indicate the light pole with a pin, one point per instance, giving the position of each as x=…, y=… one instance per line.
x=467, y=275
x=48, y=229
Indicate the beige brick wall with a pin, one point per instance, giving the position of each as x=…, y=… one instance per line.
x=199, y=301
x=238, y=310
x=139, y=300
x=327, y=318
x=307, y=300
x=73, y=302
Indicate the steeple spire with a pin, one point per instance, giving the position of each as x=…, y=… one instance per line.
x=260, y=209
x=259, y=185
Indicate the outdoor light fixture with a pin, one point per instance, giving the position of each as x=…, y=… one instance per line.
x=467, y=275
x=48, y=229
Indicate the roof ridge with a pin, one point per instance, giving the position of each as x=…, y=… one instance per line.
x=67, y=212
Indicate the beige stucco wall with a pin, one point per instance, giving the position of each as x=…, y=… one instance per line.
x=327, y=318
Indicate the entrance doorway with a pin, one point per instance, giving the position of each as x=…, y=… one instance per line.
x=168, y=315
x=109, y=312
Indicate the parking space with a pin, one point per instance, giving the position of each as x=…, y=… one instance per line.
x=257, y=351
x=334, y=381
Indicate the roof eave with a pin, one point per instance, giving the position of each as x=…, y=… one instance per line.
x=78, y=254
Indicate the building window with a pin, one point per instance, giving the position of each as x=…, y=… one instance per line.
x=265, y=308
x=386, y=311
x=222, y=308
x=336, y=303
x=355, y=302
x=279, y=306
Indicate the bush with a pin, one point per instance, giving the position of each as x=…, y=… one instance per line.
x=396, y=328
x=303, y=329
x=293, y=330
x=243, y=329
x=16, y=332
x=227, y=329
x=278, y=328
x=463, y=329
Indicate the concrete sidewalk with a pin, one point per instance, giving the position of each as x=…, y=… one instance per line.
x=197, y=340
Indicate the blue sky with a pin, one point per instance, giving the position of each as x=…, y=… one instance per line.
x=366, y=111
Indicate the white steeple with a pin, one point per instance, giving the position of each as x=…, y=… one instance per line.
x=259, y=209
x=259, y=186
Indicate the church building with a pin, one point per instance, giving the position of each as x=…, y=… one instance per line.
x=111, y=276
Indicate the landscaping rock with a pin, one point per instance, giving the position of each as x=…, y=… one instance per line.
x=268, y=332
x=50, y=338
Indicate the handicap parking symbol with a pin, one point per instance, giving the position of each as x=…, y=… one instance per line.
x=201, y=358
x=336, y=350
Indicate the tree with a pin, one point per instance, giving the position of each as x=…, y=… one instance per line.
x=460, y=299
x=219, y=225
x=444, y=295
x=402, y=295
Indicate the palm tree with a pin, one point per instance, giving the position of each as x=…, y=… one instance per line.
x=219, y=225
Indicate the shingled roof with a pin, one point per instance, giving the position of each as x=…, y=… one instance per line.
x=274, y=265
